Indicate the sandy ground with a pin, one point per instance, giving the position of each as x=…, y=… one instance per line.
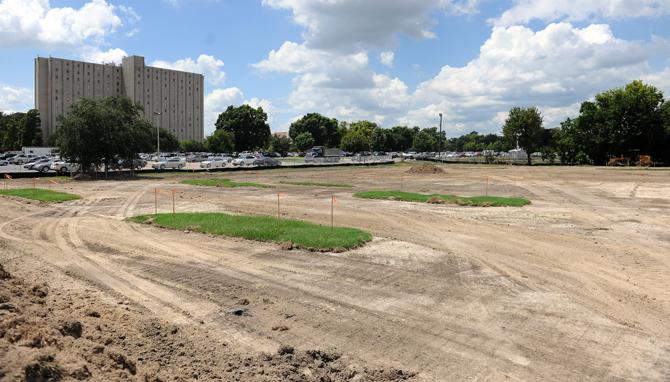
x=572, y=287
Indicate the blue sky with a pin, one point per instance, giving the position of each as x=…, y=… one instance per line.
x=393, y=62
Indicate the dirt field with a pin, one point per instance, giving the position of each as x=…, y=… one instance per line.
x=574, y=287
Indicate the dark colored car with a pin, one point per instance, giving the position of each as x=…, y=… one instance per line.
x=267, y=162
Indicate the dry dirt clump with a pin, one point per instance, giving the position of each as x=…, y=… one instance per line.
x=425, y=168
x=51, y=334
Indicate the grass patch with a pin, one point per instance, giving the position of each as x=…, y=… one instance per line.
x=262, y=228
x=318, y=184
x=476, y=201
x=40, y=194
x=223, y=183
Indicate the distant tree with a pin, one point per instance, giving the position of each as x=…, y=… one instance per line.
x=425, y=141
x=364, y=127
x=324, y=130
x=10, y=130
x=380, y=140
x=356, y=140
x=169, y=142
x=192, y=146
x=220, y=141
x=524, y=126
x=31, y=133
x=304, y=141
x=403, y=138
x=97, y=132
x=248, y=125
x=279, y=144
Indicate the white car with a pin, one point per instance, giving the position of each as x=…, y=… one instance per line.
x=173, y=163
x=244, y=160
x=215, y=162
x=63, y=167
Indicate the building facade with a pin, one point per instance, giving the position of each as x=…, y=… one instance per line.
x=171, y=99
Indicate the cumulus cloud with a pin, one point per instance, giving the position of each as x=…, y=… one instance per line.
x=524, y=11
x=110, y=56
x=209, y=66
x=14, y=99
x=350, y=25
x=35, y=22
x=554, y=68
x=218, y=100
x=386, y=58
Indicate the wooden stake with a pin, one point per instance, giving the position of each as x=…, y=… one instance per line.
x=401, y=182
x=332, y=212
x=155, y=201
x=487, y=186
x=278, y=215
x=173, y=210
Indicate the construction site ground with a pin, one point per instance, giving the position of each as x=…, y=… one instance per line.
x=574, y=287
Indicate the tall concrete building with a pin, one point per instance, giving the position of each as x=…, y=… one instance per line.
x=173, y=100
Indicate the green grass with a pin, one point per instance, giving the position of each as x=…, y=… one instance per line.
x=318, y=184
x=223, y=183
x=476, y=201
x=40, y=194
x=262, y=228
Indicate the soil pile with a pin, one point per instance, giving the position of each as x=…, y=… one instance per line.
x=48, y=335
x=425, y=168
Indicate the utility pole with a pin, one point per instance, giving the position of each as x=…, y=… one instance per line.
x=439, y=140
x=158, y=137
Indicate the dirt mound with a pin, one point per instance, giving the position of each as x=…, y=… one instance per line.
x=436, y=200
x=66, y=335
x=425, y=168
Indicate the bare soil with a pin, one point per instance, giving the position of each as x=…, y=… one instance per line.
x=425, y=168
x=572, y=287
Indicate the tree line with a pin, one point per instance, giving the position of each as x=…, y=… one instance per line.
x=627, y=121
x=20, y=129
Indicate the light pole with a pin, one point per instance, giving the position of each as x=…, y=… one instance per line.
x=439, y=140
x=158, y=137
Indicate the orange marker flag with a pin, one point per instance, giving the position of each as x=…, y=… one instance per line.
x=7, y=176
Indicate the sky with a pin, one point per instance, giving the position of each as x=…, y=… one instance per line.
x=394, y=62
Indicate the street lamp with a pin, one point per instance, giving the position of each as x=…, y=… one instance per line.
x=439, y=140
x=158, y=137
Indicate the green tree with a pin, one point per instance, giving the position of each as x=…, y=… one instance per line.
x=31, y=133
x=304, y=141
x=192, y=146
x=324, y=130
x=279, y=144
x=96, y=132
x=403, y=138
x=169, y=142
x=10, y=126
x=524, y=127
x=380, y=140
x=425, y=141
x=248, y=125
x=221, y=141
x=356, y=141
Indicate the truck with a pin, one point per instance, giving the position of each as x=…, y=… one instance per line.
x=321, y=154
x=39, y=151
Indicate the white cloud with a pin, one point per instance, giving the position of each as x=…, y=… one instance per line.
x=351, y=25
x=209, y=66
x=524, y=11
x=14, y=99
x=35, y=22
x=386, y=58
x=555, y=69
x=94, y=54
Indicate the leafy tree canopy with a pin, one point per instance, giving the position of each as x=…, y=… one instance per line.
x=221, y=141
x=324, y=130
x=304, y=141
x=248, y=125
x=524, y=127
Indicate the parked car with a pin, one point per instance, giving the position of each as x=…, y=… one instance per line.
x=3, y=162
x=244, y=160
x=63, y=167
x=215, y=162
x=42, y=165
x=173, y=163
x=266, y=162
x=21, y=159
